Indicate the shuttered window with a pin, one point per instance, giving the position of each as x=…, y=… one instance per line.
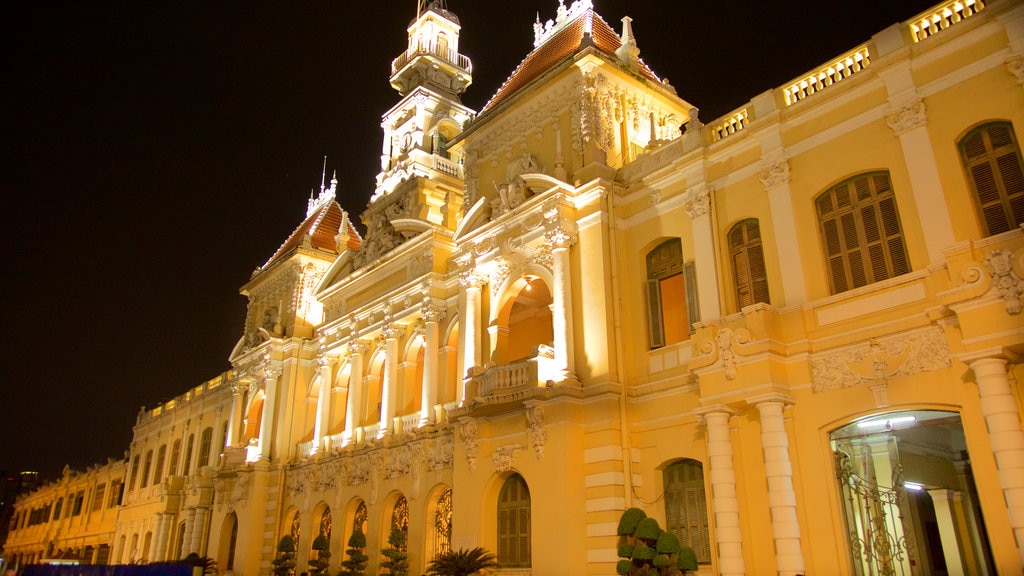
x=750, y=277
x=514, y=523
x=686, y=510
x=672, y=305
x=992, y=161
x=861, y=233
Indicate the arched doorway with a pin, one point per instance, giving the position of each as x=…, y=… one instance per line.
x=908, y=495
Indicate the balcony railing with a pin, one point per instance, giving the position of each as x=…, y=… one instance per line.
x=839, y=69
x=533, y=371
x=732, y=124
x=440, y=50
x=942, y=17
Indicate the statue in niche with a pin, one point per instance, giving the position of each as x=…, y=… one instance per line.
x=512, y=192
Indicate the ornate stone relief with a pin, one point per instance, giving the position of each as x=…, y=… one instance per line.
x=469, y=437
x=697, y=201
x=775, y=175
x=538, y=435
x=726, y=338
x=504, y=457
x=881, y=358
x=381, y=238
x=513, y=192
x=907, y=116
x=1015, y=65
x=442, y=455
x=1006, y=284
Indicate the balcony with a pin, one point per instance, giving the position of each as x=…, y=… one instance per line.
x=433, y=49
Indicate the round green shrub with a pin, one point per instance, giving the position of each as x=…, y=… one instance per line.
x=660, y=561
x=643, y=552
x=286, y=544
x=625, y=551
x=623, y=567
x=630, y=518
x=358, y=540
x=321, y=543
x=687, y=558
x=648, y=529
x=668, y=543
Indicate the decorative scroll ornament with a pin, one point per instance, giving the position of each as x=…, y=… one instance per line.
x=1006, y=284
x=538, y=435
x=880, y=359
x=469, y=437
x=504, y=456
x=442, y=455
x=697, y=201
x=472, y=279
x=239, y=492
x=907, y=116
x=432, y=312
x=560, y=237
x=1015, y=65
x=774, y=175
x=726, y=339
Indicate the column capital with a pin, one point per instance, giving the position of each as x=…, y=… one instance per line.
x=998, y=353
x=357, y=347
x=472, y=279
x=706, y=411
x=697, y=201
x=560, y=237
x=774, y=175
x=907, y=116
x=432, y=312
x=392, y=331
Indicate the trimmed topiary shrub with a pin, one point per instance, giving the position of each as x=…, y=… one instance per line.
x=285, y=561
x=687, y=559
x=630, y=518
x=668, y=543
x=647, y=550
x=356, y=563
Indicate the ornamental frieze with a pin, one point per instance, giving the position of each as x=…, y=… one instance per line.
x=874, y=361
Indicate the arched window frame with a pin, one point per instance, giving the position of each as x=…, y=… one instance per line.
x=205, y=443
x=992, y=162
x=667, y=269
x=686, y=509
x=746, y=252
x=514, y=523
x=861, y=233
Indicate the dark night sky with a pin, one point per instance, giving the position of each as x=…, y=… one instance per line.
x=155, y=152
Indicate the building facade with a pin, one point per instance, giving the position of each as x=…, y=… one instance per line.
x=792, y=334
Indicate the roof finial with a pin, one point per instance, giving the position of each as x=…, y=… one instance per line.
x=323, y=176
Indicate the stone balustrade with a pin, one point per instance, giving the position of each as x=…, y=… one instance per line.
x=941, y=17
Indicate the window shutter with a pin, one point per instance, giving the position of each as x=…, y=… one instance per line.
x=655, y=326
x=992, y=161
x=692, y=302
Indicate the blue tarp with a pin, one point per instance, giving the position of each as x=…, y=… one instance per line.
x=120, y=570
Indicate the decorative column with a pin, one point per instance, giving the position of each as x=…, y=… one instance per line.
x=238, y=390
x=723, y=489
x=945, y=502
x=432, y=314
x=190, y=526
x=698, y=208
x=779, y=470
x=1005, y=434
x=908, y=119
x=323, y=402
x=163, y=526
x=198, y=528
x=776, y=182
x=354, y=402
x=391, y=332
x=472, y=282
x=269, y=406
x=561, y=240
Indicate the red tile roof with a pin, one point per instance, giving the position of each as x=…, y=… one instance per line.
x=561, y=46
x=319, y=232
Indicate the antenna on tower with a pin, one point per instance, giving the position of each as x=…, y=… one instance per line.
x=420, y=5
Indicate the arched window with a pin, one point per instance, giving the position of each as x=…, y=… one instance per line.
x=232, y=522
x=172, y=470
x=861, y=233
x=514, y=523
x=361, y=518
x=671, y=294
x=188, y=453
x=400, y=518
x=135, y=472
x=748, y=267
x=204, y=448
x=686, y=509
x=294, y=529
x=158, y=472
x=442, y=46
x=992, y=160
x=443, y=523
x=145, y=469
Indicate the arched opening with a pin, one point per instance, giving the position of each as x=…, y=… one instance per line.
x=908, y=495
x=686, y=508
x=440, y=524
x=228, y=539
x=253, y=417
x=514, y=523
x=452, y=372
x=524, y=322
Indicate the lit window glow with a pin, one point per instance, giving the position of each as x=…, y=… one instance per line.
x=886, y=422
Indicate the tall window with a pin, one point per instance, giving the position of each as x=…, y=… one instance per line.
x=686, y=510
x=56, y=509
x=861, y=233
x=172, y=469
x=748, y=263
x=361, y=518
x=443, y=523
x=76, y=505
x=514, y=523
x=114, y=499
x=188, y=452
x=135, y=472
x=159, y=471
x=400, y=517
x=992, y=160
x=204, y=448
x=98, y=499
x=146, y=468
x=671, y=294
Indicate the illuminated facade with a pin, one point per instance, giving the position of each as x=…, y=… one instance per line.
x=792, y=334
